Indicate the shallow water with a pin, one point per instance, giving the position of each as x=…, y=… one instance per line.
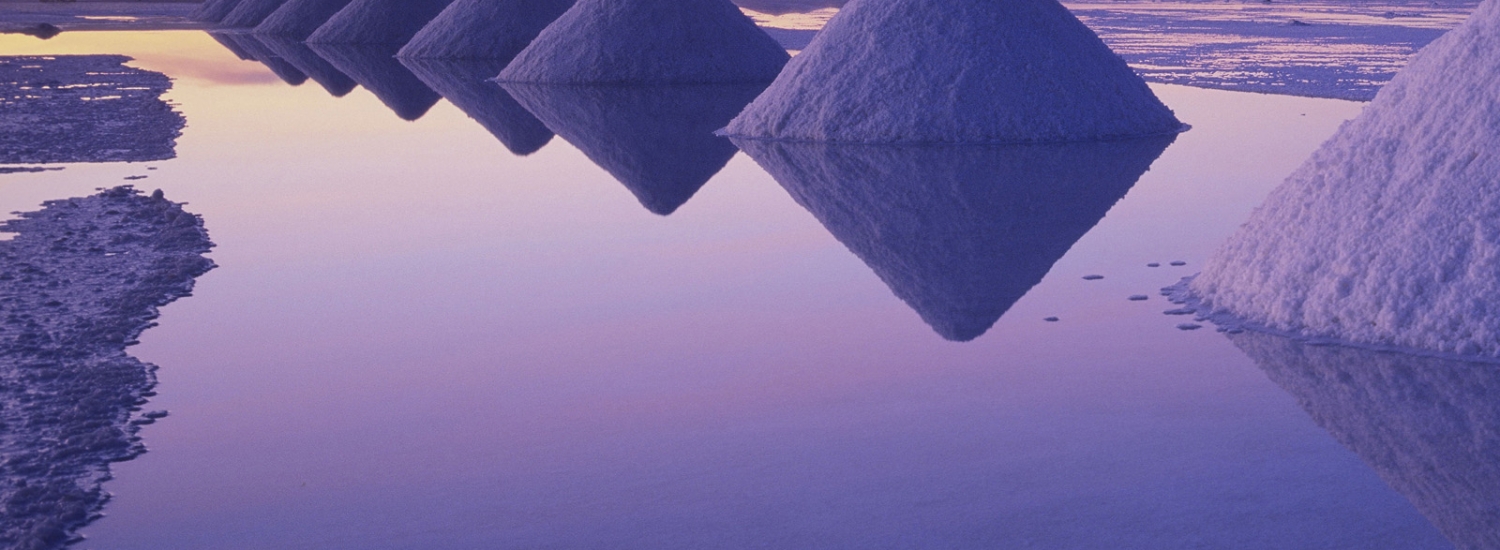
x=416, y=339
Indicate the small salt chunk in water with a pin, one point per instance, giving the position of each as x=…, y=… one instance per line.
x=1050, y=319
x=1138, y=297
x=1092, y=277
x=1179, y=263
x=1180, y=311
x=1153, y=264
x=1189, y=326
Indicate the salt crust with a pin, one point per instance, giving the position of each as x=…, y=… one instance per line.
x=298, y=19
x=484, y=29
x=649, y=42
x=955, y=71
x=1389, y=235
x=389, y=22
x=959, y=233
x=84, y=108
x=78, y=284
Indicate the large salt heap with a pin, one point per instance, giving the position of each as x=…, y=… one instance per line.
x=250, y=13
x=390, y=22
x=1429, y=427
x=297, y=19
x=466, y=84
x=484, y=29
x=656, y=140
x=376, y=69
x=1390, y=233
x=649, y=42
x=959, y=233
x=955, y=71
x=213, y=11
x=310, y=63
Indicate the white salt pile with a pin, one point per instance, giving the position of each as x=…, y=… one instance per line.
x=955, y=71
x=298, y=19
x=1390, y=234
x=484, y=29
x=959, y=233
x=250, y=13
x=378, y=22
x=649, y=42
x=213, y=11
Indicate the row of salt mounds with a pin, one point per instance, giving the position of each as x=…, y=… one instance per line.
x=649, y=42
x=484, y=29
x=1390, y=233
x=955, y=71
x=250, y=13
x=298, y=19
x=378, y=22
x=78, y=284
x=213, y=11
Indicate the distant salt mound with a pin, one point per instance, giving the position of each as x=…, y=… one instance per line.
x=213, y=11
x=375, y=67
x=310, y=63
x=484, y=29
x=959, y=233
x=955, y=71
x=1429, y=427
x=284, y=70
x=466, y=84
x=656, y=140
x=297, y=19
x=391, y=22
x=1390, y=234
x=250, y=13
x=649, y=42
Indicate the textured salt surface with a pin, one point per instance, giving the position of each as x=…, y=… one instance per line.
x=297, y=19
x=79, y=282
x=657, y=140
x=283, y=69
x=649, y=42
x=250, y=13
x=213, y=11
x=484, y=29
x=960, y=233
x=375, y=68
x=1390, y=234
x=390, y=22
x=83, y=109
x=309, y=63
x=933, y=71
x=1429, y=427
x=466, y=84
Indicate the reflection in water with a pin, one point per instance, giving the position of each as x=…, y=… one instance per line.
x=657, y=140
x=959, y=233
x=283, y=69
x=1430, y=427
x=84, y=108
x=375, y=67
x=79, y=282
x=308, y=62
x=466, y=84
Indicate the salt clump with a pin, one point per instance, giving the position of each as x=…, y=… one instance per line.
x=391, y=22
x=955, y=71
x=1390, y=233
x=298, y=19
x=484, y=29
x=649, y=42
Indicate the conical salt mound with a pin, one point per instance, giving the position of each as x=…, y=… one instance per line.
x=955, y=71
x=484, y=29
x=1390, y=234
x=1429, y=427
x=391, y=22
x=297, y=19
x=376, y=68
x=657, y=140
x=649, y=42
x=315, y=67
x=213, y=11
x=249, y=13
x=283, y=70
x=466, y=84
x=959, y=233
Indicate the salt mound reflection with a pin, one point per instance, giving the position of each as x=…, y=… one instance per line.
x=657, y=140
x=1429, y=427
x=466, y=84
x=309, y=63
x=960, y=233
x=375, y=67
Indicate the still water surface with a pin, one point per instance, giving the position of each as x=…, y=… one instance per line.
x=417, y=339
